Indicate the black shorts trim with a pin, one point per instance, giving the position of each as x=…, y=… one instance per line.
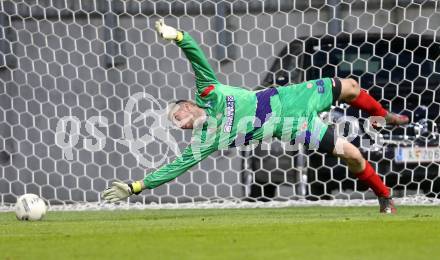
x=336, y=90
x=328, y=141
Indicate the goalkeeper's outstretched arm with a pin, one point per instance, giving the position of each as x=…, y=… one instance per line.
x=204, y=74
x=119, y=190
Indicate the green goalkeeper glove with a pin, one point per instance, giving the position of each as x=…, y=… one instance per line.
x=119, y=191
x=168, y=32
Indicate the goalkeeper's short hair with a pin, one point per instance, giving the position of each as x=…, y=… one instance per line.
x=174, y=106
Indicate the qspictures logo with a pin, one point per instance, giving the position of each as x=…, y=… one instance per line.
x=68, y=131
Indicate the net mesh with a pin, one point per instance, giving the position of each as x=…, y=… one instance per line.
x=84, y=83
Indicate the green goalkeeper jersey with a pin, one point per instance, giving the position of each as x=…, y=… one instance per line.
x=237, y=116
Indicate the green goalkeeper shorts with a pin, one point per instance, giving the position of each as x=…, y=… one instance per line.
x=300, y=106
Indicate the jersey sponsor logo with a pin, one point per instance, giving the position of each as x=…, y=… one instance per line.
x=320, y=84
x=230, y=111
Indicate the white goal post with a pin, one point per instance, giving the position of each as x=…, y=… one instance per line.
x=84, y=87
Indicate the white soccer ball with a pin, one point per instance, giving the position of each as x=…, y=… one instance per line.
x=30, y=207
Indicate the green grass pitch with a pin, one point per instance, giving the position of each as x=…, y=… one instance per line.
x=286, y=233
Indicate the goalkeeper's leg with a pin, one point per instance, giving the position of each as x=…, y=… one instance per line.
x=358, y=166
x=351, y=93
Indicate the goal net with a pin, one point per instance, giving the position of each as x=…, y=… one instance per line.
x=84, y=87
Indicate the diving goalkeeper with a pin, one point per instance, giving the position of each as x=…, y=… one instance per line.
x=286, y=112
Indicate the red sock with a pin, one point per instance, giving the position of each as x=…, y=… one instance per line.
x=370, y=177
x=368, y=104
